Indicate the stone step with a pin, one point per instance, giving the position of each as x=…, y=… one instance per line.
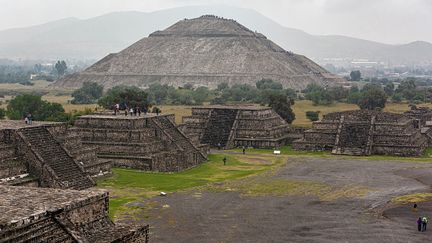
x=56, y=157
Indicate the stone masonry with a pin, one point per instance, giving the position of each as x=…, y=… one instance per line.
x=363, y=132
x=423, y=120
x=53, y=215
x=151, y=142
x=46, y=155
x=237, y=126
x=204, y=51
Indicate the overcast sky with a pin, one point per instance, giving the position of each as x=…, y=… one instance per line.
x=389, y=21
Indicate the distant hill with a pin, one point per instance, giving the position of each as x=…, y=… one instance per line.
x=94, y=38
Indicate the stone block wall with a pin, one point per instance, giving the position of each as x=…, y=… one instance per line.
x=48, y=215
x=147, y=143
x=258, y=127
x=363, y=133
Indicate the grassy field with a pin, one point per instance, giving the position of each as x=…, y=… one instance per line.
x=127, y=186
x=63, y=97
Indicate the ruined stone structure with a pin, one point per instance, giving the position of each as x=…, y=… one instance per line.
x=204, y=51
x=53, y=215
x=233, y=126
x=46, y=155
x=151, y=142
x=423, y=120
x=364, y=132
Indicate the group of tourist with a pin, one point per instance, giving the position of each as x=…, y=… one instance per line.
x=422, y=223
x=136, y=111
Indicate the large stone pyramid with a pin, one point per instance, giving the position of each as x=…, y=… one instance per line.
x=203, y=51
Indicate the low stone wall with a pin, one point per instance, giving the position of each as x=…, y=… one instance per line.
x=45, y=215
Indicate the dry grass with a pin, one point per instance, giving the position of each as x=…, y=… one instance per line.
x=412, y=198
x=178, y=110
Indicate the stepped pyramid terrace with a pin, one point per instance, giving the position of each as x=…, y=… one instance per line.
x=150, y=142
x=364, y=132
x=47, y=155
x=423, y=119
x=53, y=215
x=204, y=51
x=237, y=126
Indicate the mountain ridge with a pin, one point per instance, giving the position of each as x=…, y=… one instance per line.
x=93, y=38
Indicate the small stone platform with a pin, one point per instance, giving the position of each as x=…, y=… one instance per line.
x=363, y=132
x=236, y=126
x=149, y=142
x=52, y=215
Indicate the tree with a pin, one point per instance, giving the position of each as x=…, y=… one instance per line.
x=281, y=104
x=407, y=89
x=23, y=104
x=355, y=75
x=268, y=84
x=200, y=95
x=126, y=96
x=2, y=113
x=389, y=89
x=372, y=97
x=222, y=86
x=89, y=93
x=60, y=67
x=397, y=98
x=312, y=115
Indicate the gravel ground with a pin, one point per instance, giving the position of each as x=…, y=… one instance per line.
x=209, y=216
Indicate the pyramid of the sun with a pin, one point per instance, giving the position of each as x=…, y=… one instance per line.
x=204, y=51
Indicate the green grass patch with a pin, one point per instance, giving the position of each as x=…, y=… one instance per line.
x=128, y=185
x=285, y=150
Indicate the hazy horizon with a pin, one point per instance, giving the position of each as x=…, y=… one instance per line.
x=394, y=21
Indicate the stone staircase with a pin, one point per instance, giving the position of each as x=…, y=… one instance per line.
x=70, y=174
x=353, y=139
x=219, y=127
x=45, y=230
x=178, y=137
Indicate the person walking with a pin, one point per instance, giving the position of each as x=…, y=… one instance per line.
x=224, y=160
x=424, y=223
x=244, y=150
x=419, y=224
x=30, y=118
x=116, y=108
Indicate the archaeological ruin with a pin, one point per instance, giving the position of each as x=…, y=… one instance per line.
x=151, y=142
x=204, y=51
x=423, y=119
x=47, y=155
x=363, y=132
x=237, y=126
x=60, y=215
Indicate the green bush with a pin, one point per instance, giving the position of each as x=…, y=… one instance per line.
x=312, y=115
x=40, y=109
x=2, y=113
